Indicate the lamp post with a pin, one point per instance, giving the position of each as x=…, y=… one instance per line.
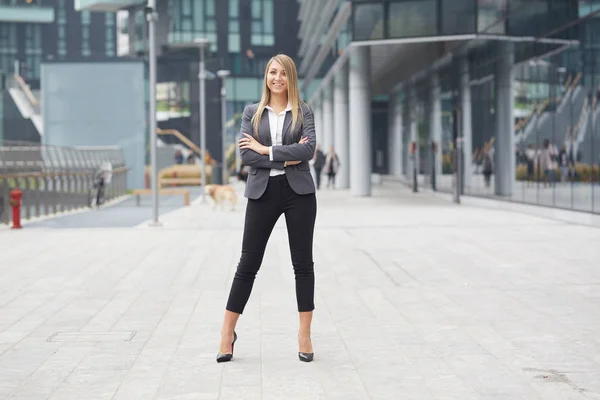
x=223, y=74
x=152, y=16
x=202, y=44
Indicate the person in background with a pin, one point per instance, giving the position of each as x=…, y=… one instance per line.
x=319, y=163
x=332, y=164
x=178, y=157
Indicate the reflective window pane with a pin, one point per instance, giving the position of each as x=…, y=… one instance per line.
x=368, y=21
x=491, y=15
x=458, y=16
x=413, y=18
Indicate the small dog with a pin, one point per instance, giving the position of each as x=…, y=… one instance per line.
x=221, y=194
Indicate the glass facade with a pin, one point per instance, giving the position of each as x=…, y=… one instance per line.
x=8, y=46
x=190, y=19
x=85, y=34
x=387, y=19
x=233, y=38
x=69, y=36
x=556, y=112
x=262, y=32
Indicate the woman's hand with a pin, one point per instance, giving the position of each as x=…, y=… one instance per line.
x=301, y=141
x=250, y=143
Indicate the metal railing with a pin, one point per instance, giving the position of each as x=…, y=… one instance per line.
x=56, y=179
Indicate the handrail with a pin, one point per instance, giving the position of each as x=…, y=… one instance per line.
x=181, y=137
x=568, y=83
x=581, y=119
x=53, y=174
x=524, y=121
x=26, y=90
x=543, y=107
x=576, y=80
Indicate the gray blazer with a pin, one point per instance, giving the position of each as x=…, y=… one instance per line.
x=259, y=165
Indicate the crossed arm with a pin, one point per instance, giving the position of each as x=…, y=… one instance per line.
x=257, y=155
x=251, y=157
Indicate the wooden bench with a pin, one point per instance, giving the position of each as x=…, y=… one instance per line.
x=170, y=191
x=179, y=181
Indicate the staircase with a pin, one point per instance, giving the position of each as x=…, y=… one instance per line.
x=26, y=101
x=545, y=123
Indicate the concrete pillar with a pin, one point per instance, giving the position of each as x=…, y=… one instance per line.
x=395, y=134
x=504, y=149
x=466, y=123
x=359, y=94
x=340, y=125
x=327, y=117
x=318, y=113
x=406, y=118
x=435, y=126
x=391, y=121
x=398, y=129
x=414, y=132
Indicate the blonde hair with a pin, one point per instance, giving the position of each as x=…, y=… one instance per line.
x=293, y=93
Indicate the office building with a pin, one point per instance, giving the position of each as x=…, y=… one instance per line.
x=33, y=31
x=244, y=35
x=421, y=88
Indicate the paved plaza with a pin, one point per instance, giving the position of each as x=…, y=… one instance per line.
x=417, y=298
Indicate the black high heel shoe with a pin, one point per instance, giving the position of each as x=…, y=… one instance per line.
x=224, y=357
x=306, y=357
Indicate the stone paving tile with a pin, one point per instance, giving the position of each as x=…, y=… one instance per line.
x=416, y=299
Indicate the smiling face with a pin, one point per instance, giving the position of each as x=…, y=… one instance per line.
x=277, y=79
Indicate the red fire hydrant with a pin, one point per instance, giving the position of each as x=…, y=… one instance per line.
x=15, y=202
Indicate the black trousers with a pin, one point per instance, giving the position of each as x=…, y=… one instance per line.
x=261, y=215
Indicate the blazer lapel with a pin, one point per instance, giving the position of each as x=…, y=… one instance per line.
x=287, y=122
x=264, y=131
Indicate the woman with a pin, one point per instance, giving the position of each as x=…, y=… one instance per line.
x=277, y=144
x=332, y=164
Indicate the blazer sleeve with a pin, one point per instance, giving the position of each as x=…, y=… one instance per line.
x=250, y=157
x=297, y=151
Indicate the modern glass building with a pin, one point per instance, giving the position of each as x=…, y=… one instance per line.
x=33, y=31
x=36, y=30
x=244, y=35
x=506, y=89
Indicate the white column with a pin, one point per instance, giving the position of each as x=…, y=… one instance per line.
x=465, y=98
x=504, y=148
x=406, y=107
x=397, y=133
x=318, y=114
x=360, y=126
x=391, y=121
x=341, y=131
x=414, y=133
x=435, y=124
x=327, y=117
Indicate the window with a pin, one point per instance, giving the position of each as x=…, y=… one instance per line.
x=191, y=19
x=458, y=16
x=491, y=16
x=85, y=34
x=263, y=33
x=33, y=50
x=368, y=21
x=109, y=38
x=528, y=17
x=233, y=39
x=62, y=29
x=413, y=18
x=8, y=46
